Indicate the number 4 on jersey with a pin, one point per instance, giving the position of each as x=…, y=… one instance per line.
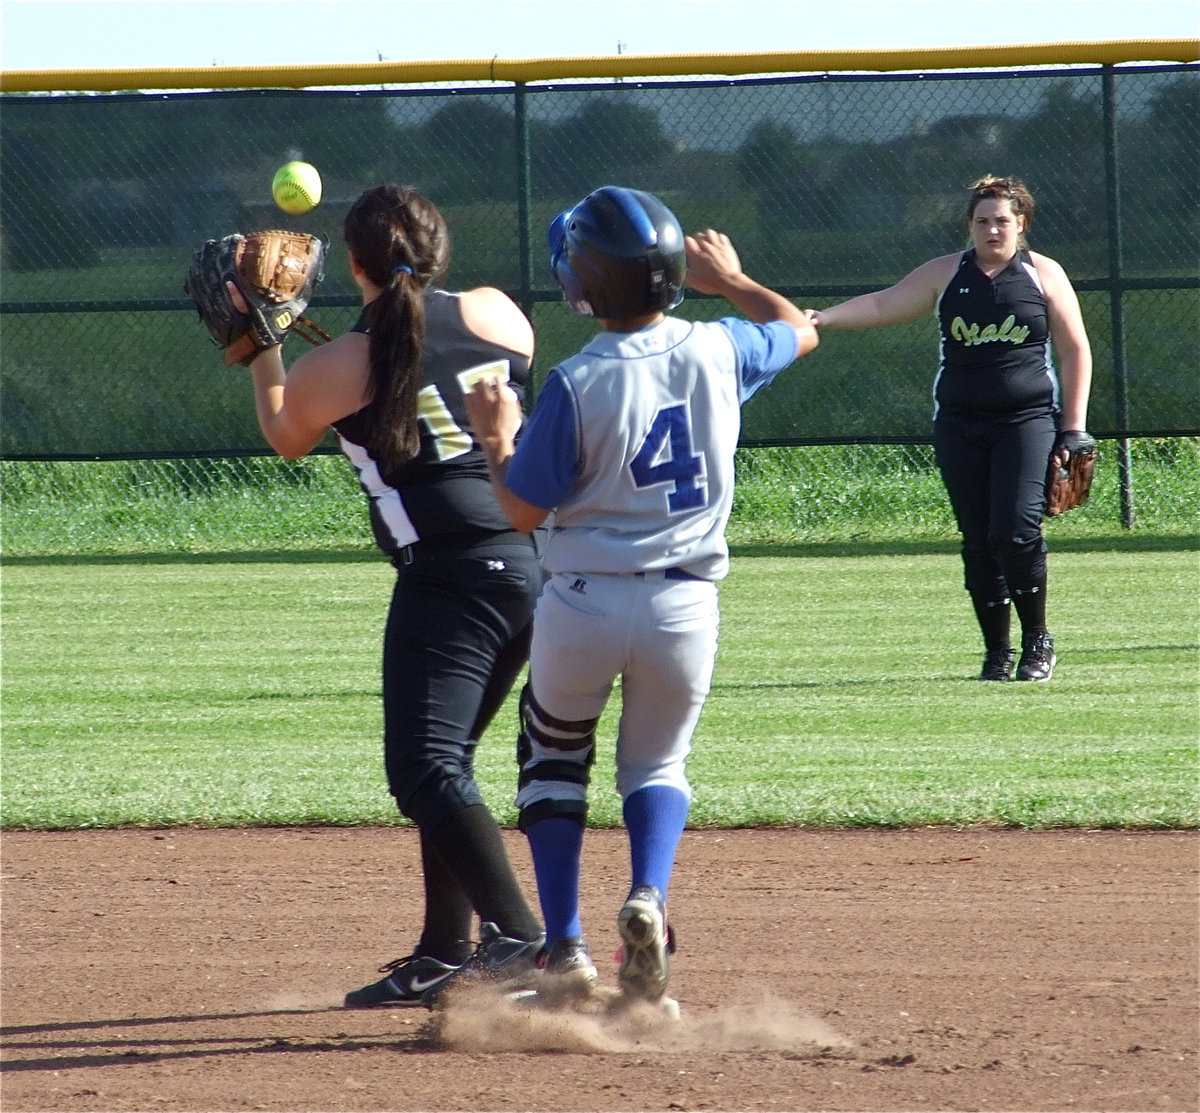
x=666, y=456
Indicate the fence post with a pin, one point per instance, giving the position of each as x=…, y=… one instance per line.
x=524, y=212
x=1116, y=293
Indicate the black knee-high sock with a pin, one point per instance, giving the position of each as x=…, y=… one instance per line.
x=995, y=620
x=469, y=843
x=446, y=934
x=1030, y=604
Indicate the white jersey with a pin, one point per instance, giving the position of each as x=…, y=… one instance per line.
x=659, y=418
x=632, y=442
x=654, y=421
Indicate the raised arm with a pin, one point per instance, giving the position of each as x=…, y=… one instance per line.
x=295, y=409
x=713, y=267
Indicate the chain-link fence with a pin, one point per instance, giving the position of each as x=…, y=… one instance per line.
x=829, y=185
x=789, y=495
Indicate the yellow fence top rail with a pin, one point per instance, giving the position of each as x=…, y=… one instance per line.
x=648, y=66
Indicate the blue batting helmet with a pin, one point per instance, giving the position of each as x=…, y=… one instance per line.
x=618, y=253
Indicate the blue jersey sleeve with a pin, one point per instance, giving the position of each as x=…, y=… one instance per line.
x=763, y=350
x=543, y=469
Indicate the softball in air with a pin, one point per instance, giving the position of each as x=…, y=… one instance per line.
x=296, y=187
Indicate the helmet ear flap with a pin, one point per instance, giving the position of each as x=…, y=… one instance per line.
x=665, y=289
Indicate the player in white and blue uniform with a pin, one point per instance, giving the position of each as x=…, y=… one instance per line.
x=631, y=445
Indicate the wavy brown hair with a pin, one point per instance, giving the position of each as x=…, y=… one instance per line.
x=400, y=241
x=1002, y=189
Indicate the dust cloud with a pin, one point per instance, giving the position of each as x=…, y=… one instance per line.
x=484, y=1021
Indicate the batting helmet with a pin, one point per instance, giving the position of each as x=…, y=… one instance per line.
x=618, y=253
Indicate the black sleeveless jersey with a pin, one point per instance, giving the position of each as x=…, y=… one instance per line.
x=445, y=489
x=995, y=347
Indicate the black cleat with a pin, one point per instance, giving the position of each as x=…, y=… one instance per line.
x=1037, y=657
x=408, y=980
x=998, y=664
x=509, y=964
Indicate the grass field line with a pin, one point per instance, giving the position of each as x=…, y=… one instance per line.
x=245, y=691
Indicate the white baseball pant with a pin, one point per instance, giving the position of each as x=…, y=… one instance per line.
x=658, y=634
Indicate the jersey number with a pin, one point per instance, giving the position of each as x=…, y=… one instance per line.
x=666, y=456
x=449, y=438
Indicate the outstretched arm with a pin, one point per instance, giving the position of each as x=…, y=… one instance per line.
x=914, y=296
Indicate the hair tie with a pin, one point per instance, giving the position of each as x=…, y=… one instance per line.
x=401, y=268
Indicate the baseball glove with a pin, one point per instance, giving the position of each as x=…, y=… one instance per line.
x=1068, y=485
x=275, y=272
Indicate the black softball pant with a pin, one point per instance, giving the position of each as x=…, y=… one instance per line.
x=456, y=639
x=994, y=469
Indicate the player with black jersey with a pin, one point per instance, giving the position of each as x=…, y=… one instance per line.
x=1001, y=407
x=458, y=627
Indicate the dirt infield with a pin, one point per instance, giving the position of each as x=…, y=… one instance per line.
x=867, y=970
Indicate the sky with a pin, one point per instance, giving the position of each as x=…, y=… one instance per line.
x=120, y=34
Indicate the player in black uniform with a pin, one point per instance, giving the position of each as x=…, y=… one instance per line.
x=458, y=627
x=1001, y=409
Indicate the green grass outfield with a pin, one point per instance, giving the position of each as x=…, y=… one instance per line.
x=243, y=690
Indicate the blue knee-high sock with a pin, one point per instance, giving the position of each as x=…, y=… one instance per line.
x=655, y=818
x=556, y=845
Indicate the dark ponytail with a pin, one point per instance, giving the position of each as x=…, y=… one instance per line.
x=400, y=241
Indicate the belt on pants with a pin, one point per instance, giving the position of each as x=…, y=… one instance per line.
x=459, y=543
x=672, y=574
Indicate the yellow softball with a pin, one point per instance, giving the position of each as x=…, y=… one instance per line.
x=296, y=187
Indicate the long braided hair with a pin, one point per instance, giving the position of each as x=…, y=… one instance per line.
x=400, y=241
